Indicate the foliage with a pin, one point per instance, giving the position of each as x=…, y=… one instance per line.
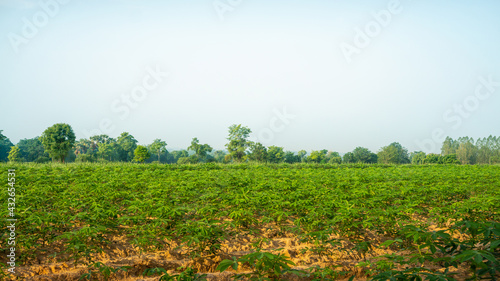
x=15, y=154
x=266, y=266
x=201, y=150
x=100, y=268
x=238, y=142
x=275, y=154
x=127, y=145
x=57, y=140
x=31, y=149
x=258, y=152
x=394, y=153
x=158, y=147
x=76, y=208
x=141, y=153
x=187, y=275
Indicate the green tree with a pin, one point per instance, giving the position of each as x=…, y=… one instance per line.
x=417, y=157
x=333, y=157
x=15, y=154
x=291, y=157
x=449, y=159
x=394, y=153
x=219, y=156
x=349, y=158
x=31, y=149
x=449, y=146
x=317, y=156
x=2, y=137
x=432, y=158
x=467, y=151
x=109, y=151
x=86, y=146
x=364, y=155
x=58, y=140
x=176, y=155
x=275, y=154
x=141, y=153
x=158, y=147
x=258, y=152
x=238, y=142
x=201, y=150
x=302, y=155
x=127, y=145
x=97, y=139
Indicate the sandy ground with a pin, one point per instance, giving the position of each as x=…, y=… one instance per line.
x=121, y=253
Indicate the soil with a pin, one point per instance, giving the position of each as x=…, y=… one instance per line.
x=122, y=253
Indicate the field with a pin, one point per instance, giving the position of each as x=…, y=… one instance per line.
x=294, y=222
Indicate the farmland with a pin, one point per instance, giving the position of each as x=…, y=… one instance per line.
x=294, y=222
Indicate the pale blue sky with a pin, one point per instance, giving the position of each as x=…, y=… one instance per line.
x=259, y=58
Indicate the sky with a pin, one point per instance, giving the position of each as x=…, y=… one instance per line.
x=300, y=74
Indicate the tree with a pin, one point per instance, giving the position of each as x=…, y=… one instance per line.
x=317, y=156
x=31, y=149
x=302, y=155
x=57, y=140
x=158, y=147
x=2, y=137
x=275, y=154
x=449, y=159
x=5, y=146
x=176, y=155
x=238, y=142
x=291, y=158
x=97, y=139
x=393, y=154
x=432, y=158
x=417, y=157
x=85, y=146
x=333, y=157
x=15, y=154
x=219, y=156
x=364, y=155
x=258, y=152
x=450, y=146
x=349, y=158
x=127, y=144
x=109, y=150
x=141, y=153
x=467, y=151
x=201, y=150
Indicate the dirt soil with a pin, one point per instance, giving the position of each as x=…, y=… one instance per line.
x=122, y=253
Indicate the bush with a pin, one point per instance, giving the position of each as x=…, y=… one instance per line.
x=42, y=159
x=81, y=158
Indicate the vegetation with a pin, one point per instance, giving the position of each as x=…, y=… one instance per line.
x=412, y=213
x=58, y=140
x=239, y=150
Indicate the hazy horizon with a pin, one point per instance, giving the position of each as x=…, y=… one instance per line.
x=302, y=75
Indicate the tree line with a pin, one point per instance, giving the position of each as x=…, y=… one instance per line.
x=58, y=143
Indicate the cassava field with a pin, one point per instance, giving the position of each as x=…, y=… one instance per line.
x=266, y=222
